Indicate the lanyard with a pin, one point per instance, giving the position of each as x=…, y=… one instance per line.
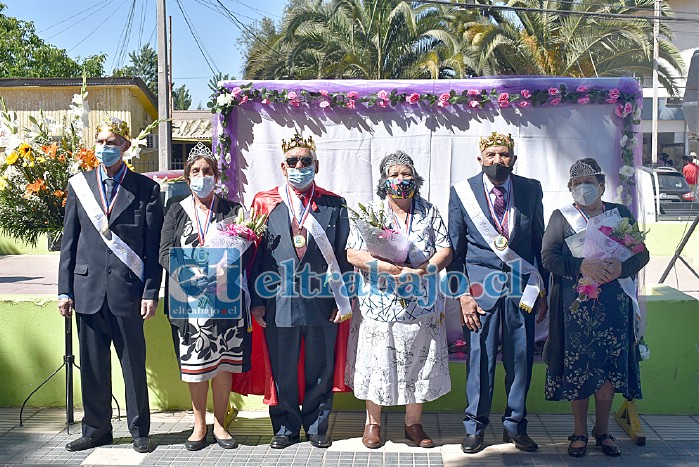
x=201, y=231
x=499, y=223
x=408, y=218
x=108, y=208
x=304, y=214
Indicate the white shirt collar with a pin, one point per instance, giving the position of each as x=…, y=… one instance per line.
x=489, y=185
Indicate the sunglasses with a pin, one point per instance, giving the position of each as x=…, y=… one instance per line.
x=306, y=161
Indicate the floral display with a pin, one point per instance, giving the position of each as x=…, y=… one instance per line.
x=382, y=242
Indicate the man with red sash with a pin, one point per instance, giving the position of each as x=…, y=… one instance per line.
x=307, y=229
x=109, y=274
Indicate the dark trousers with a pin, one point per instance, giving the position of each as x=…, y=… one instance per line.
x=319, y=364
x=517, y=357
x=96, y=333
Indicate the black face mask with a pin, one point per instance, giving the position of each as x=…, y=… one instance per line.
x=497, y=172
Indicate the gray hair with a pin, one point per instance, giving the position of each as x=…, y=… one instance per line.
x=396, y=158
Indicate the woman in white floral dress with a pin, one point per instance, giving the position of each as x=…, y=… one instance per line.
x=397, y=352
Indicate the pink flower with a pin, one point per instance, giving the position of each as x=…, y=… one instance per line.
x=460, y=342
x=555, y=101
x=382, y=94
x=459, y=354
x=611, y=101
x=388, y=234
x=291, y=95
x=473, y=93
x=473, y=104
x=638, y=248
x=629, y=240
x=592, y=291
x=524, y=104
x=442, y=103
x=236, y=91
x=265, y=101
x=584, y=100
x=323, y=92
x=352, y=95
x=243, y=99
x=628, y=108
x=295, y=103
x=619, y=111
x=605, y=229
x=324, y=104
x=614, y=94
x=351, y=104
x=581, y=89
x=504, y=100
x=413, y=98
x=383, y=103
x=444, y=96
x=554, y=91
x=526, y=93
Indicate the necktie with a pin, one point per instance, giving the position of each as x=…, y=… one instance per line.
x=499, y=210
x=109, y=184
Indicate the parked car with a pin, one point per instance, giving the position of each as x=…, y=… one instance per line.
x=673, y=198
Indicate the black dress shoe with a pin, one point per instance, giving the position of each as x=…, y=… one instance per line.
x=319, y=441
x=472, y=444
x=522, y=441
x=197, y=444
x=577, y=451
x=226, y=443
x=609, y=450
x=142, y=444
x=87, y=442
x=283, y=441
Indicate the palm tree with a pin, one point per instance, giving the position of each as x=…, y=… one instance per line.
x=559, y=42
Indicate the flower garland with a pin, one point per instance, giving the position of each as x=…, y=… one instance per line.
x=225, y=100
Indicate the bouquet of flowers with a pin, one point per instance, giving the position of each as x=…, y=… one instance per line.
x=372, y=223
x=238, y=233
x=608, y=236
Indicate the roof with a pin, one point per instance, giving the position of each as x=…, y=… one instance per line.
x=191, y=125
x=145, y=95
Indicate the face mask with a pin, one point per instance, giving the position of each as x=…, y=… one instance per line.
x=585, y=194
x=497, y=172
x=202, y=186
x=300, y=178
x=403, y=189
x=107, y=154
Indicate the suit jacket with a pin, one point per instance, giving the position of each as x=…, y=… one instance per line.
x=276, y=254
x=89, y=271
x=474, y=257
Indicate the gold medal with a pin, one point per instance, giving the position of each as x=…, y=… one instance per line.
x=500, y=243
x=299, y=241
x=105, y=227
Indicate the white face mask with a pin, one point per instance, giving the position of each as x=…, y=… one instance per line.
x=586, y=194
x=202, y=186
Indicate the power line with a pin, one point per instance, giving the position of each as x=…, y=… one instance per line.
x=122, y=48
x=107, y=18
x=256, y=10
x=237, y=23
x=144, y=9
x=198, y=41
x=72, y=25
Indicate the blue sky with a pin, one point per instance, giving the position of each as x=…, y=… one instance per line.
x=87, y=27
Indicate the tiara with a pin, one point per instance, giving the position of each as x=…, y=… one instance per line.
x=114, y=125
x=200, y=150
x=396, y=158
x=496, y=139
x=581, y=169
x=298, y=142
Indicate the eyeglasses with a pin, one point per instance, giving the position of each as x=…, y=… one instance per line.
x=306, y=161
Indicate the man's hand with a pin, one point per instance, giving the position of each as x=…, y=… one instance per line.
x=258, y=313
x=335, y=316
x=470, y=312
x=542, y=309
x=148, y=308
x=65, y=307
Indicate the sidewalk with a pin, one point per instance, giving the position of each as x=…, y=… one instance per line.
x=671, y=440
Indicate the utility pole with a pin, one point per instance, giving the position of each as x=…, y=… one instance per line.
x=169, y=49
x=656, y=57
x=165, y=128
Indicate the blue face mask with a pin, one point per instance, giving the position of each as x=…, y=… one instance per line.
x=202, y=186
x=107, y=154
x=300, y=178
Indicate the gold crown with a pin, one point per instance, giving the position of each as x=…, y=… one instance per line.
x=114, y=125
x=298, y=142
x=496, y=139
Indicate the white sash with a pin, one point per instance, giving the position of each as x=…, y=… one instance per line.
x=99, y=219
x=628, y=285
x=338, y=286
x=535, y=284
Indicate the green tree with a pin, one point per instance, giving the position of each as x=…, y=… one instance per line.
x=23, y=54
x=144, y=65
x=181, y=98
x=562, y=43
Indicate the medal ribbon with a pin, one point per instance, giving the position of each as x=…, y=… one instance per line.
x=585, y=216
x=108, y=208
x=201, y=231
x=304, y=214
x=408, y=218
x=499, y=222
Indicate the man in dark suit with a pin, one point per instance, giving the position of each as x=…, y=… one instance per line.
x=109, y=273
x=307, y=231
x=496, y=225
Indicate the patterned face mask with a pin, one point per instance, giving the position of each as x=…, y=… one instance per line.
x=400, y=189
